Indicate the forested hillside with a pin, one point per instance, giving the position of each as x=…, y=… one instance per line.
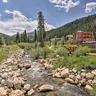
x=84, y=24
x=6, y=37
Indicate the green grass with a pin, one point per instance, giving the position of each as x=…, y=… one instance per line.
x=6, y=50
x=93, y=92
x=86, y=62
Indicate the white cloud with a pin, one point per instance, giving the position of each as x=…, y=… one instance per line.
x=7, y=11
x=19, y=23
x=90, y=6
x=65, y=4
x=5, y=1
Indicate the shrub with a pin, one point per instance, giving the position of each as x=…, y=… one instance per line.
x=26, y=46
x=81, y=51
x=46, y=52
x=71, y=48
x=92, y=50
x=37, y=52
x=62, y=51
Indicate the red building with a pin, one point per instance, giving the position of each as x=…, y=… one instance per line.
x=84, y=36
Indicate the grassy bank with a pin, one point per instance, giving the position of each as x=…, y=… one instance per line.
x=78, y=59
x=6, y=50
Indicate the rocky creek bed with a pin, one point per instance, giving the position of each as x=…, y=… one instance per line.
x=22, y=76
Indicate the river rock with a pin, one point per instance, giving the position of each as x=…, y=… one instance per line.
x=83, y=75
x=3, y=92
x=41, y=61
x=88, y=87
x=94, y=72
x=4, y=75
x=89, y=76
x=65, y=73
x=17, y=83
x=9, y=83
x=74, y=70
x=57, y=75
x=76, y=81
x=27, y=65
x=78, y=77
x=69, y=80
x=20, y=66
x=48, y=66
x=89, y=82
x=27, y=87
x=30, y=92
x=3, y=82
x=83, y=82
x=72, y=77
x=9, y=60
x=46, y=87
x=16, y=93
x=94, y=81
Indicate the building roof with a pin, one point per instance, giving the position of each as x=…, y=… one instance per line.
x=79, y=31
x=69, y=36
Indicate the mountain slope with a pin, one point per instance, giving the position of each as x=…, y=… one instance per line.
x=83, y=24
x=6, y=37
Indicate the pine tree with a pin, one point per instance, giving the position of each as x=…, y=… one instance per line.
x=25, y=37
x=35, y=36
x=22, y=38
x=63, y=40
x=17, y=38
x=55, y=41
x=2, y=41
x=28, y=39
x=41, y=29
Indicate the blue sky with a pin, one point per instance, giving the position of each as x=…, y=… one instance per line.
x=56, y=13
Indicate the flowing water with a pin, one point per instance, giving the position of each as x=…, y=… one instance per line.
x=37, y=75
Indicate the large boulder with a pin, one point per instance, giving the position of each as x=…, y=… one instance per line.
x=46, y=87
